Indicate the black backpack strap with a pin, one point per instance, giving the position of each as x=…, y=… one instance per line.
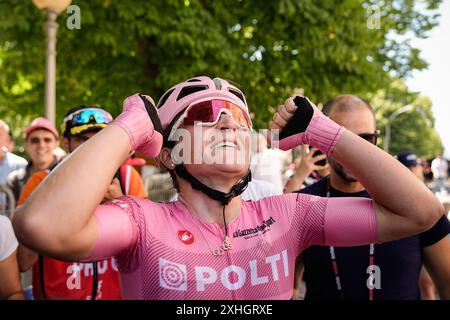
x=118, y=175
x=95, y=280
x=41, y=276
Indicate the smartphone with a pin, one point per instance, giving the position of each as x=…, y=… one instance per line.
x=320, y=162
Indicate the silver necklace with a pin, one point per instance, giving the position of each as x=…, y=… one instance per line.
x=226, y=244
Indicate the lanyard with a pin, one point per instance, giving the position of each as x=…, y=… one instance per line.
x=334, y=262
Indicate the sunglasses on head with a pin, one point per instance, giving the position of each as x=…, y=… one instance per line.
x=207, y=113
x=84, y=119
x=371, y=137
x=91, y=115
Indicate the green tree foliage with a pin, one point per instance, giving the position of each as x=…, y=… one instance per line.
x=412, y=130
x=268, y=47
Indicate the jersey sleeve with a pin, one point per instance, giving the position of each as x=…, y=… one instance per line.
x=120, y=223
x=334, y=221
x=137, y=188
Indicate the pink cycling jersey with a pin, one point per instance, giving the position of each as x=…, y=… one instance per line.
x=164, y=252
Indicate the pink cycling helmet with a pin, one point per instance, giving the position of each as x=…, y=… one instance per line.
x=179, y=97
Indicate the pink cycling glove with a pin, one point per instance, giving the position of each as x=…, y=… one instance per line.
x=140, y=121
x=310, y=126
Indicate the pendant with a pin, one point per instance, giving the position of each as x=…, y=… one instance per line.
x=227, y=244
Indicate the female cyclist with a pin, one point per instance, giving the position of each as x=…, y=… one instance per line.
x=210, y=244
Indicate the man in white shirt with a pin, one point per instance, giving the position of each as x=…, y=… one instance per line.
x=8, y=161
x=266, y=164
x=439, y=166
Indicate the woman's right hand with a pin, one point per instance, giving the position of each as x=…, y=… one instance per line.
x=141, y=122
x=300, y=122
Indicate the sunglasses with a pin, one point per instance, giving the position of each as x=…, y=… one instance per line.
x=371, y=137
x=207, y=113
x=92, y=115
x=84, y=119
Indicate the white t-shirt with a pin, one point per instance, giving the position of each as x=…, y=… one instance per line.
x=259, y=189
x=267, y=166
x=8, y=241
x=440, y=166
x=8, y=164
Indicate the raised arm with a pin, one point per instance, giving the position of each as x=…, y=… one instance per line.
x=58, y=218
x=403, y=205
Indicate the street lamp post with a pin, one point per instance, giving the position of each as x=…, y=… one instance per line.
x=387, y=136
x=52, y=8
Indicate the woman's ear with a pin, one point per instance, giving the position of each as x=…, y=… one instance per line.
x=165, y=159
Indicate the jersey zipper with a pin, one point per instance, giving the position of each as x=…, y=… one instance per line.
x=229, y=260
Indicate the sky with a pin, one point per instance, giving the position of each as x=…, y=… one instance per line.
x=434, y=82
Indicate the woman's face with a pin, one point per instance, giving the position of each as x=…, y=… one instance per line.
x=221, y=150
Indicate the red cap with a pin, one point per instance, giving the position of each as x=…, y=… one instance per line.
x=41, y=123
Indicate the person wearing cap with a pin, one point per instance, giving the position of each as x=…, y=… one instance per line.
x=55, y=279
x=412, y=162
x=41, y=140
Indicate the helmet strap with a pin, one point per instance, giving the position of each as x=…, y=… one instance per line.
x=222, y=197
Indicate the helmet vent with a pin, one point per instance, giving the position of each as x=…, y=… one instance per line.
x=164, y=98
x=190, y=90
x=237, y=94
x=194, y=80
x=217, y=83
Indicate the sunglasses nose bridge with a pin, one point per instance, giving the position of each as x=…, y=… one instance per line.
x=226, y=120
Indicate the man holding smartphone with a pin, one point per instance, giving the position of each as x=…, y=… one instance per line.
x=311, y=167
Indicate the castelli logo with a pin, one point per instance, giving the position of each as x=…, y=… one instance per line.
x=186, y=237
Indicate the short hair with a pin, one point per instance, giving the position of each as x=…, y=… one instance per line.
x=345, y=103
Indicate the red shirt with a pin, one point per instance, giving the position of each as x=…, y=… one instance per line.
x=74, y=280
